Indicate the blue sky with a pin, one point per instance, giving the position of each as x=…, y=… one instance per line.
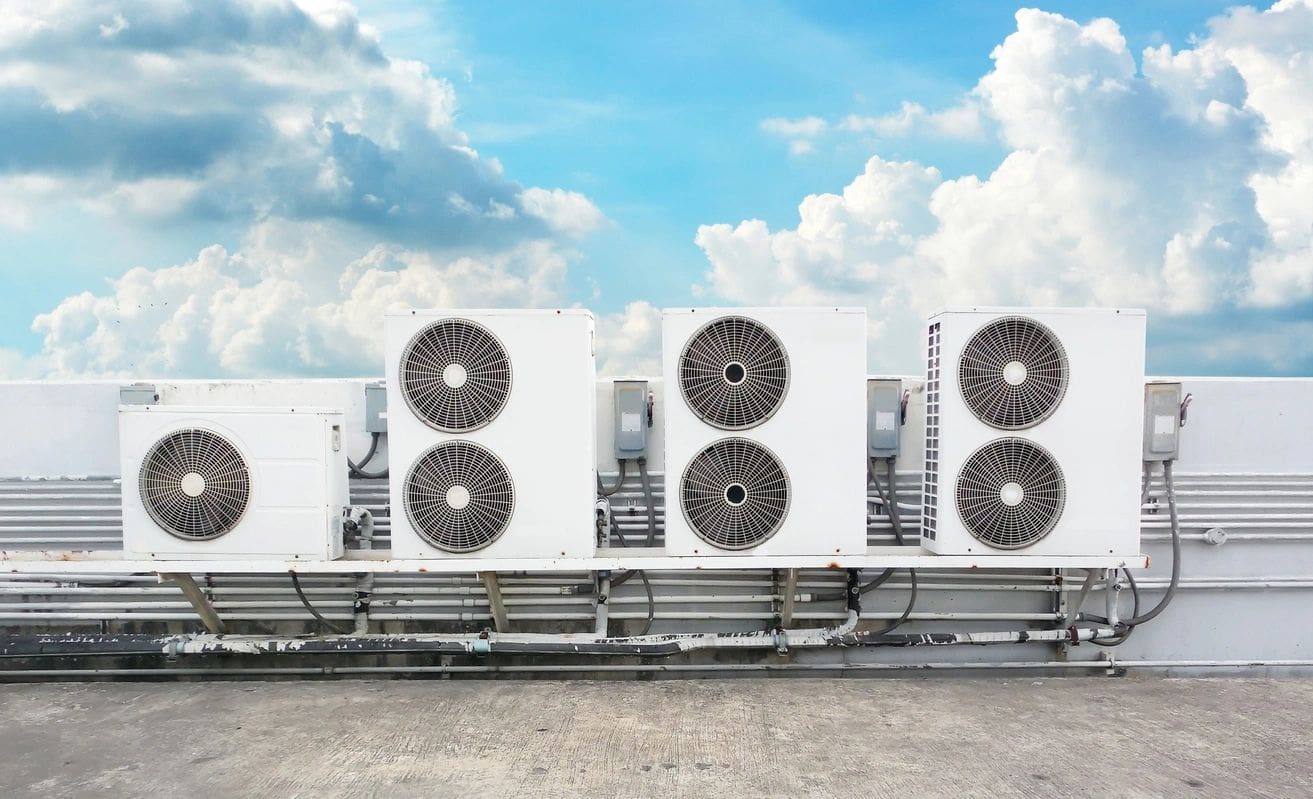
x=277, y=176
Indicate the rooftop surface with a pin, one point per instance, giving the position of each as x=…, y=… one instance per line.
x=800, y=737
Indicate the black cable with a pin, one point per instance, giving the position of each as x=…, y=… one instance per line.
x=602, y=490
x=883, y=576
x=647, y=500
x=896, y=519
x=296, y=584
x=651, y=603
x=1136, y=618
x=358, y=470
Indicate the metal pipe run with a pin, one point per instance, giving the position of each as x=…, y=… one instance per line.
x=845, y=635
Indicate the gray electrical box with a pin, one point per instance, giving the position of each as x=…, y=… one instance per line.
x=1162, y=421
x=138, y=394
x=884, y=417
x=631, y=419
x=376, y=408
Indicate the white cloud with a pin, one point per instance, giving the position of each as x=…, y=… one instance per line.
x=568, y=212
x=959, y=122
x=247, y=313
x=801, y=132
x=629, y=342
x=1184, y=189
x=806, y=126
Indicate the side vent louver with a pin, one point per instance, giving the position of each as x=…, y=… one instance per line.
x=930, y=487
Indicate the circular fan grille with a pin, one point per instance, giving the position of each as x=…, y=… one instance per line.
x=455, y=375
x=1013, y=373
x=459, y=496
x=735, y=494
x=1010, y=493
x=195, y=484
x=734, y=373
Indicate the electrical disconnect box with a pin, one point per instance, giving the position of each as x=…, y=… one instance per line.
x=884, y=417
x=631, y=418
x=1162, y=421
x=138, y=394
x=376, y=408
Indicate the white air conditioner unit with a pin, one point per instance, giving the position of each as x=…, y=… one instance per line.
x=765, y=420
x=491, y=433
x=223, y=482
x=1033, y=432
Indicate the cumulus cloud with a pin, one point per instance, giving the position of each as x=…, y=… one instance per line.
x=801, y=131
x=289, y=120
x=1180, y=185
x=146, y=109
x=959, y=122
x=249, y=313
x=629, y=342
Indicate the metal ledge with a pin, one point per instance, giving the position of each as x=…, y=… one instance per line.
x=378, y=561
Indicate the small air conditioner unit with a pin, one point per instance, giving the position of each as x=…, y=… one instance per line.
x=765, y=451
x=224, y=482
x=1033, y=432
x=491, y=428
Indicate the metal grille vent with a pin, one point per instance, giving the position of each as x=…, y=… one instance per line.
x=455, y=375
x=734, y=373
x=195, y=484
x=459, y=496
x=735, y=493
x=1010, y=493
x=1013, y=373
x=930, y=479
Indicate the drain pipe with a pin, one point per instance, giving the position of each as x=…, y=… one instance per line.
x=360, y=521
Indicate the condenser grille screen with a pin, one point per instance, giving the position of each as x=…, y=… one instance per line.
x=734, y=373
x=195, y=484
x=735, y=494
x=1013, y=373
x=455, y=375
x=1010, y=493
x=930, y=481
x=459, y=496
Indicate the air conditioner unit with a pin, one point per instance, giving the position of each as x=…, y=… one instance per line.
x=491, y=428
x=222, y=482
x=765, y=450
x=1033, y=432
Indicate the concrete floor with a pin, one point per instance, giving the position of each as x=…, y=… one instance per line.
x=1133, y=737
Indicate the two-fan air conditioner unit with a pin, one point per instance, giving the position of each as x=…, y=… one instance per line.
x=222, y=482
x=765, y=415
x=491, y=431
x=1033, y=432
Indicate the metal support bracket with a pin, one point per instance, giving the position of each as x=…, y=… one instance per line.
x=602, y=619
x=500, y=621
x=198, y=600
x=790, y=591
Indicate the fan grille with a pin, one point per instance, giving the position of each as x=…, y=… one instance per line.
x=735, y=494
x=1010, y=493
x=455, y=375
x=734, y=373
x=195, y=484
x=459, y=496
x=1013, y=373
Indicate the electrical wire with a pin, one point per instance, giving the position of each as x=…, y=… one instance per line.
x=603, y=491
x=296, y=584
x=647, y=500
x=896, y=519
x=358, y=469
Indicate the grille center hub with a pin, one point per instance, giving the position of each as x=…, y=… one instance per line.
x=454, y=375
x=192, y=484
x=458, y=497
x=1014, y=373
x=1011, y=494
